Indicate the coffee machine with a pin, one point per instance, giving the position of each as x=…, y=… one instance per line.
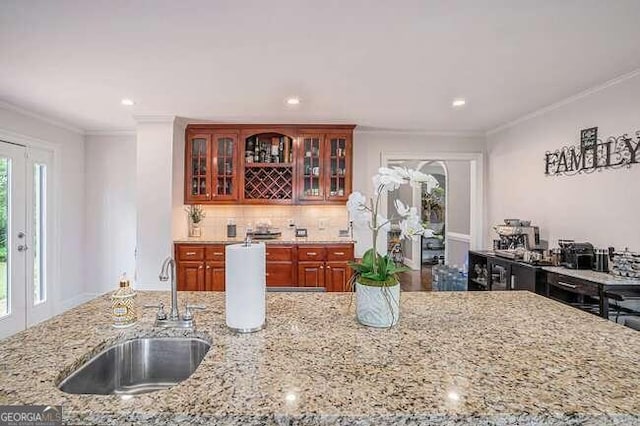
x=515, y=236
x=577, y=255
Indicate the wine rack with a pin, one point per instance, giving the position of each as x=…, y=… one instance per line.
x=268, y=182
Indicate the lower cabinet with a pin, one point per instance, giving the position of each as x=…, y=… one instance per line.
x=325, y=266
x=489, y=272
x=281, y=271
x=202, y=267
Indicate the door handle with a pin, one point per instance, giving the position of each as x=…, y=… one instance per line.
x=23, y=247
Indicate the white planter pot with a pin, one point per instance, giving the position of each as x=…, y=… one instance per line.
x=195, y=230
x=377, y=306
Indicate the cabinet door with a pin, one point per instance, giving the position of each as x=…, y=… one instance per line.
x=523, y=278
x=337, y=276
x=197, y=168
x=280, y=274
x=225, y=167
x=214, y=276
x=311, y=184
x=191, y=276
x=311, y=274
x=499, y=275
x=338, y=167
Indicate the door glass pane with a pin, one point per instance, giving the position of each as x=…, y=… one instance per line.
x=4, y=233
x=39, y=221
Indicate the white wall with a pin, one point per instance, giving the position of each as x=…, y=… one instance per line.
x=602, y=207
x=458, y=197
x=368, y=148
x=70, y=179
x=110, y=210
x=154, y=197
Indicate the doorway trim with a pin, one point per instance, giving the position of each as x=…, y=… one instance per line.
x=476, y=172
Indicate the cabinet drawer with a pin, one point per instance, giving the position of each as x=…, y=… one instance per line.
x=340, y=252
x=573, y=285
x=278, y=253
x=214, y=252
x=311, y=253
x=280, y=274
x=190, y=252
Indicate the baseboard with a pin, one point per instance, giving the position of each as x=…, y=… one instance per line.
x=65, y=305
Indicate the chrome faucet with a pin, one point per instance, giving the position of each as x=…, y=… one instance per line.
x=173, y=319
x=174, y=314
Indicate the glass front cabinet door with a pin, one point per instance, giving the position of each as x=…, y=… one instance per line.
x=198, y=164
x=212, y=167
x=225, y=167
x=338, y=181
x=311, y=151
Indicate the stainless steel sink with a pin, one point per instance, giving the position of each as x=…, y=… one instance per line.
x=137, y=366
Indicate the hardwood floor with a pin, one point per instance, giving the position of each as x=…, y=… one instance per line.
x=416, y=280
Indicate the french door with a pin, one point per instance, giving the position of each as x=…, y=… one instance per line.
x=24, y=246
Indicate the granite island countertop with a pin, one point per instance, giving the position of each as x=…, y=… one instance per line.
x=455, y=358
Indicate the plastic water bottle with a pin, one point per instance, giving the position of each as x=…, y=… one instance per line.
x=434, y=276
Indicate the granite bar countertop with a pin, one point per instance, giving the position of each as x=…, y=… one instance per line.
x=593, y=276
x=454, y=358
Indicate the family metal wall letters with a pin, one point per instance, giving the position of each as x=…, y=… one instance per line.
x=593, y=154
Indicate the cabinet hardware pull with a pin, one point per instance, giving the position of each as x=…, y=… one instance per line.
x=267, y=274
x=311, y=253
x=567, y=284
x=322, y=267
x=191, y=253
x=267, y=253
x=217, y=253
x=208, y=267
x=200, y=267
x=328, y=267
x=208, y=194
x=338, y=253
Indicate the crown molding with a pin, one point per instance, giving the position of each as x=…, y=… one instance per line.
x=154, y=118
x=107, y=132
x=443, y=133
x=566, y=101
x=43, y=118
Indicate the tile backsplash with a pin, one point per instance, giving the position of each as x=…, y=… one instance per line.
x=329, y=218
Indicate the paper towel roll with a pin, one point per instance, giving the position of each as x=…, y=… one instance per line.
x=245, y=287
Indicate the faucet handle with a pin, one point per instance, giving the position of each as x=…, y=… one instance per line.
x=161, y=314
x=188, y=315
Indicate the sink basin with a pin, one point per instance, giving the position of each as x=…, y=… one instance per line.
x=137, y=366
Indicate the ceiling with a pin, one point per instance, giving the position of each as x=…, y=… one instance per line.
x=377, y=63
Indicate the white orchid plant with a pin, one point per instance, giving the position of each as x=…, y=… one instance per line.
x=375, y=269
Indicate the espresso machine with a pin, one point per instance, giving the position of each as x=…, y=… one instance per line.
x=514, y=236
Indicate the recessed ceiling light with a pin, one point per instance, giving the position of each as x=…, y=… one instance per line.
x=127, y=102
x=293, y=101
x=458, y=102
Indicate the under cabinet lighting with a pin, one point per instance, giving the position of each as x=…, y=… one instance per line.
x=293, y=101
x=127, y=102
